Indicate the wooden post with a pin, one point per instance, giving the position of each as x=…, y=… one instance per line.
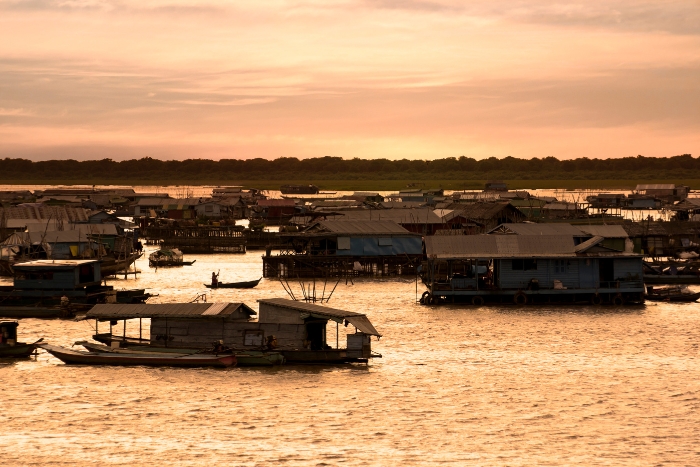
x=140, y=329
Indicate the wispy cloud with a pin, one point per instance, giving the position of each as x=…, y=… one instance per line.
x=378, y=78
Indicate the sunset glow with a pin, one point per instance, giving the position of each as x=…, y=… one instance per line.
x=397, y=79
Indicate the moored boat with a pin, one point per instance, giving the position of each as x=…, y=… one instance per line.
x=295, y=330
x=168, y=258
x=137, y=359
x=243, y=358
x=9, y=347
x=671, y=294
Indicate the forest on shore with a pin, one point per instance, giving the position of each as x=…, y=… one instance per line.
x=289, y=169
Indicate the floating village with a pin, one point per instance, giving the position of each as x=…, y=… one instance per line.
x=60, y=247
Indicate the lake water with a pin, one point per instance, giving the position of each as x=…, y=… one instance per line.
x=458, y=385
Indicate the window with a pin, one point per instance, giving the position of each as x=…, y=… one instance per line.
x=527, y=264
x=253, y=337
x=343, y=243
x=561, y=266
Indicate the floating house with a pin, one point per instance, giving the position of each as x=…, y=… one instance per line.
x=302, y=332
x=340, y=248
x=53, y=283
x=525, y=269
x=667, y=192
x=274, y=211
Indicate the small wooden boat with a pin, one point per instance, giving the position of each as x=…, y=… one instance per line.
x=137, y=359
x=9, y=347
x=168, y=258
x=234, y=285
x=671, y=294
x=243, y=357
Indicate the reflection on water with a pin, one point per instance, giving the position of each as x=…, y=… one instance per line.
x=457, y=385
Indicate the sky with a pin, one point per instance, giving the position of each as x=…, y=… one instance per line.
x=415, y=79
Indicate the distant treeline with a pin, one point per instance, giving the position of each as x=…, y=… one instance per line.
x=336, y=168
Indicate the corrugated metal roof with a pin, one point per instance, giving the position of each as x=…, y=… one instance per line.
x=276, y=202
x=43, y=211
x=55, y=263
x=499, y=246
x=539, y=229
x=607, y=231
x=400, y=216
x=591, y=242
x=166, y=310
x=359, y=320
x=656, y=186
x=363, y=227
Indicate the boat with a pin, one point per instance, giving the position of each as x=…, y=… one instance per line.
x=671, y=294
x=167, y=258
x=137, y=359
x=234, y=285
x=299, y=189
x=294, y=330
x=9, y=347
x=243, y=357
x=111, y=266
x=60, y=288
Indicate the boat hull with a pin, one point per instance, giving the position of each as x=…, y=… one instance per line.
x=19, y=350
x=146, y=359
x=234, y=285
x=243, y=358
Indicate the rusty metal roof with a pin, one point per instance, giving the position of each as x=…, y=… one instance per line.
x=607, y=231
x=538, y=229
x=55, y=263
x=166, y=310
x=656, y=186
x=499, y=246
x=362, y=227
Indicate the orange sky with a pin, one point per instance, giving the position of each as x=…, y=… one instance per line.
x=89, y=79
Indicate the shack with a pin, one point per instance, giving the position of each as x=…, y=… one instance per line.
x=298, y=330
x=525, y=269
x=341, y=248
x=667, y=192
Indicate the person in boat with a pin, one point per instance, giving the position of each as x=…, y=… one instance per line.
x=214, y=280
x=219, y=347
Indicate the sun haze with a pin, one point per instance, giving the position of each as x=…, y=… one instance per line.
x=90, y=79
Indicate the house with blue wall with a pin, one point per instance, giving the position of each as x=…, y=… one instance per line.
x=522, y=269
x=339, y=247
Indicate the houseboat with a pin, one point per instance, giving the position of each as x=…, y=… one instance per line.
x=525, y=269
x=59, y=288
x=299, y=189
x=296, y=330
x=346, y=248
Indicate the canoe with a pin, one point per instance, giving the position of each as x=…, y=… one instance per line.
x=235, y=285
x=137, y=359
x=243, y=357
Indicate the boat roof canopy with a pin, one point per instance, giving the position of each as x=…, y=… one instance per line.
x=359, y=320
x=166, y=310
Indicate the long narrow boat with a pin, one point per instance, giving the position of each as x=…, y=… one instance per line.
x=144, y=359
x=671, y=294
x=235, y=285
x=243, y=357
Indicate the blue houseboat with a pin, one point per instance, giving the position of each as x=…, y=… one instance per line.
x=346, y=247
x=49, y=288
x=525, y=269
